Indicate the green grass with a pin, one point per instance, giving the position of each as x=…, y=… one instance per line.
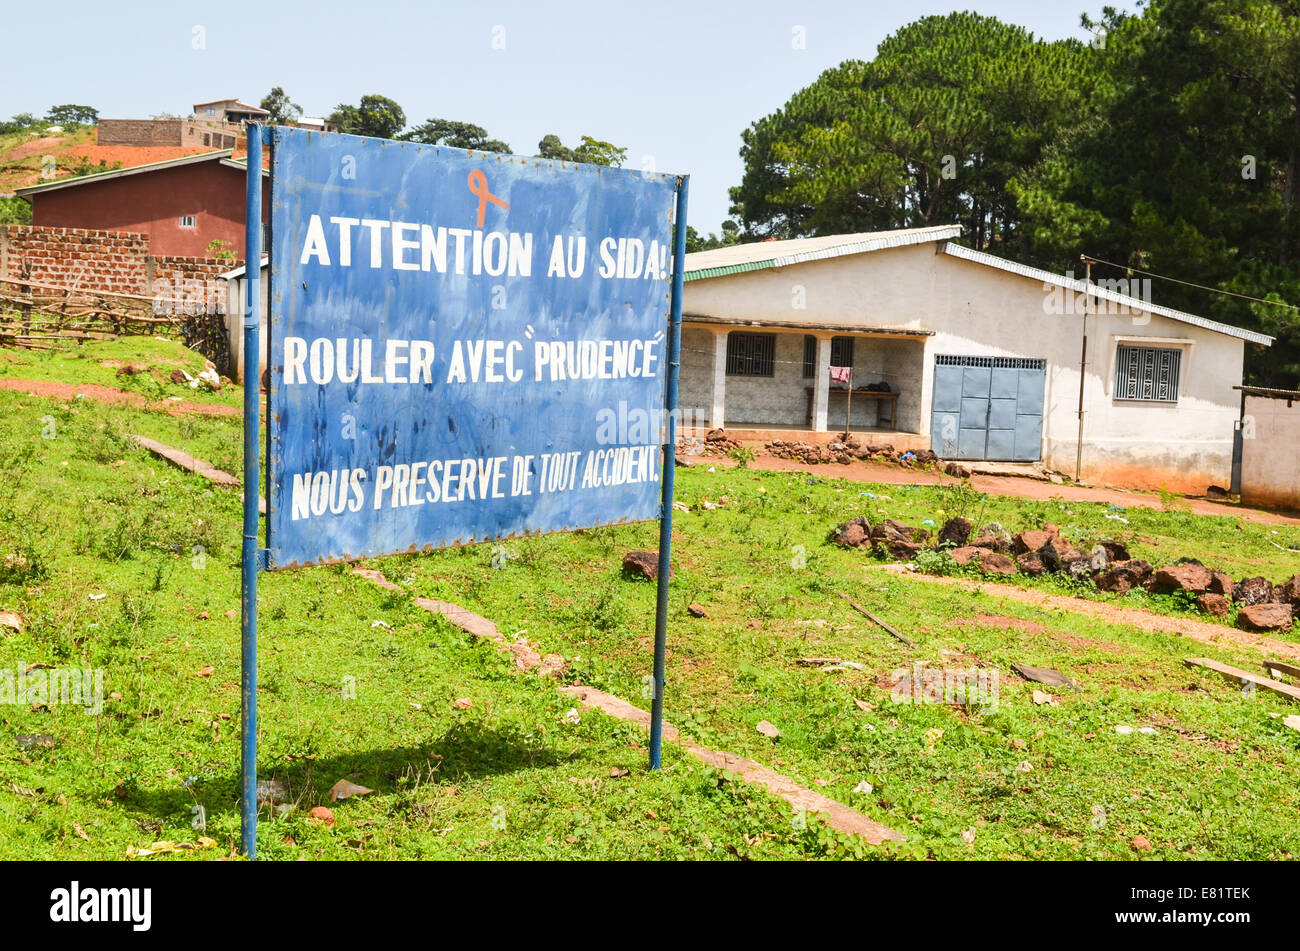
x=98, y=363
x=84, y=513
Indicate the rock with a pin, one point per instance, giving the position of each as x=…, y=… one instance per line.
x=321, y=814
x=1058, y=553
x=984, y=541
x=901, y=550
x=1288, y=592
x=990, y=562
x=996, y=563
x=768, y=729
x=1124, y=576
x=1266, y=617
x=1032, y=540
x=1140, y=843
x=1031, y=563
x=179, y=376
x=644, y=564
x=1216, y=492
x=892, y=528
x=1189, y=577
x=1078, y=567
x=1115, y=551
x=1051, y=529
x=958, y=470
x=1213, y=604
x=1220, y=583
x=852, y=534
x=955, y=532
x=697, y=610
x=1250, y=591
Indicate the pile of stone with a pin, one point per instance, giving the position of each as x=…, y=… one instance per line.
x=991, y=549
x=846, y=450
x=716, y=440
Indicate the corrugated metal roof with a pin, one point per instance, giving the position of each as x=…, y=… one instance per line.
x=1270, y=392
x=806, y=328
x=1133, y=303
x=223, y=154
x=739, y=258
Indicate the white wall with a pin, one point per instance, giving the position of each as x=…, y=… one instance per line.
x=975, y=309
x=235, y=296
x=1270, y=457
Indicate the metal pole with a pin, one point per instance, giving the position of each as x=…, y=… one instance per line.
x=848, y=405
x=670, y=471
x=251, y=361
x=1083, y=366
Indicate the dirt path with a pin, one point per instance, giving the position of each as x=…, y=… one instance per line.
x=1017, y=487
x=107, y=394
x=1202, y=631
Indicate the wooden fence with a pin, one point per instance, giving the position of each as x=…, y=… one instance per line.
x=44, y=316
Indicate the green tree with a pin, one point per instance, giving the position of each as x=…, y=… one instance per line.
x=70, y=114
x=460, y=135
x=375, y=115
x=592, y=151
x=730, y=234
x=15, y=211
x=1190, y=168
x=926, y=133
x=281, y=108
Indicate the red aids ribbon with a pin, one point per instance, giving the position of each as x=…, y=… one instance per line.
x=479, y=186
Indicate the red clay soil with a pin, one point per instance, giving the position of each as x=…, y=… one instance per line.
x=865, y=470
x=107, y=394
x=1202, y=631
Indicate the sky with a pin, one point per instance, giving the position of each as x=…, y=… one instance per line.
x=674, y=82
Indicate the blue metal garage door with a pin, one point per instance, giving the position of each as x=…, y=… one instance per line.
x=988, y=408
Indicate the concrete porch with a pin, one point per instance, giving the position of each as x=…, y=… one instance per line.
x=762, y=435
x=761, y=382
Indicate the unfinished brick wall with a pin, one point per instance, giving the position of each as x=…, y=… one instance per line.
x=173, y=132
x=114, y=261
x=111, y=261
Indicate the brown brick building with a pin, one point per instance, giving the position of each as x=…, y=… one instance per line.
x=180, y=205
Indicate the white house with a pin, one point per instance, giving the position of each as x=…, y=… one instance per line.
x=982, y=357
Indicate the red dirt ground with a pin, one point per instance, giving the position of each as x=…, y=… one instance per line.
x=1011, y=486
x=1190, y=628
x=106, y=394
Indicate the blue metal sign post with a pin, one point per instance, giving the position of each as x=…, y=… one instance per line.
x=464, y=347
x=251, y=554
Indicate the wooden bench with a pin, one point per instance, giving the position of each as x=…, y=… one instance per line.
x=881, y=397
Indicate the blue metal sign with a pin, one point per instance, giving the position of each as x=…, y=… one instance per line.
x=464, y=346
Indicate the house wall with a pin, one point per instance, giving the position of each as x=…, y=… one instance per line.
x=779, y=398
x=175, y=132
x=695, y=382
x=974, y=309
x=1270, y=458
x=236, y=292
x=152, y=204
x=115, y=261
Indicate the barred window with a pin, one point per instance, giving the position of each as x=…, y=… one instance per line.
x=1147, y=373
x=841, y=351
x=809, y=356
x=750, y=354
